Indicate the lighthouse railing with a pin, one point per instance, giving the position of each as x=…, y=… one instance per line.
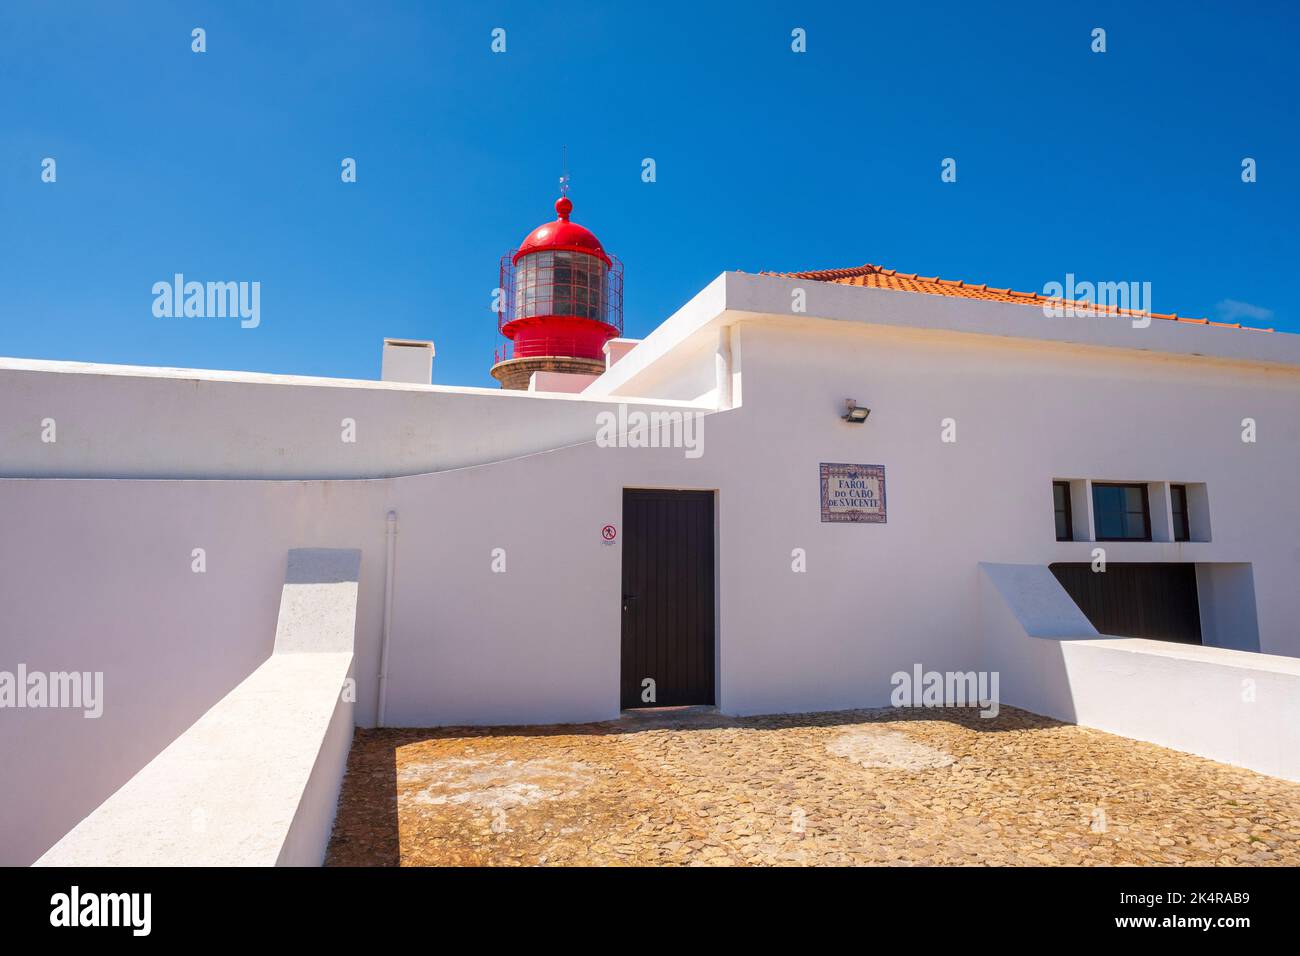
x=556, y=345
x=541, y=297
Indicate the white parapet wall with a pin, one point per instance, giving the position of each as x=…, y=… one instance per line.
x=1233, y=706
x=566, y=382
x=115, y=421
x=255, y=782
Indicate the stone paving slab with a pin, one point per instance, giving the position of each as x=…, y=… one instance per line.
x=883, y=787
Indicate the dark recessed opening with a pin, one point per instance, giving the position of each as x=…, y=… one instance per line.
x=1156, y=601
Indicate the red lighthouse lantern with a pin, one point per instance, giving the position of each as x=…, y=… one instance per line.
x=562, y=301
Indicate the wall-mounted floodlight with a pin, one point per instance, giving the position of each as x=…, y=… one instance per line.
x=856, y=414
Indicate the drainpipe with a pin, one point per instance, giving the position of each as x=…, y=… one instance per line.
x=388, y=617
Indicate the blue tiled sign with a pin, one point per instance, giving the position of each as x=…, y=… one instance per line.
x=853, y=493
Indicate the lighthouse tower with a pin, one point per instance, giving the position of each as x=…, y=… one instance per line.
x=562, y=301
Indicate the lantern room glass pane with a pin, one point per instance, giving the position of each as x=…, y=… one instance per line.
x=560, y=283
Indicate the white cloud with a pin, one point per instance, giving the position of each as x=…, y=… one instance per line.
x=1230, y=310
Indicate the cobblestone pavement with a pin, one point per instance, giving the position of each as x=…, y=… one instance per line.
x=855, y=787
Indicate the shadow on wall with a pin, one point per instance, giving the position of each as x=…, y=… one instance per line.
x=1025, y=614
x=134, y=581
x=255, y=781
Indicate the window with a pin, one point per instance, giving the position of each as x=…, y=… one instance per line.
x=1064, y=520
x=560, y=283
x=1178, y=501
x=1121, y=512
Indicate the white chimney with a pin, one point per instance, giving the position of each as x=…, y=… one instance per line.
x=407, y=360
x=615, y=349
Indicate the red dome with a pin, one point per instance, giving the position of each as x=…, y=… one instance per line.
x=563, y=235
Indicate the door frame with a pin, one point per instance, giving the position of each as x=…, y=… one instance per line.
x=716, y=495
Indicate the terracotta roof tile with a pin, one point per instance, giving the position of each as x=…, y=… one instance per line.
x=878, y=277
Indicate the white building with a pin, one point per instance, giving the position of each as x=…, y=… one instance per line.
x=530, y=582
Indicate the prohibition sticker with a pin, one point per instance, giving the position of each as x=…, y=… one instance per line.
x=609, y=532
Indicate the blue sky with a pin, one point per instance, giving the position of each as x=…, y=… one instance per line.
x=225, y=165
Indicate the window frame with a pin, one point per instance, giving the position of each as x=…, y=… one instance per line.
x=1069, y=510
x=563, y=283
x=1182, y=529
x=1146, y=507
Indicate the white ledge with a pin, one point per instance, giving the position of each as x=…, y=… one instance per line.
x=228, y=791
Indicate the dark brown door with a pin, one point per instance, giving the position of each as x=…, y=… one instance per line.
x=1157, y=601
x=667, y=598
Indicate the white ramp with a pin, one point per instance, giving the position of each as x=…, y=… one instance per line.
x=1234, y=706
x=255, y=781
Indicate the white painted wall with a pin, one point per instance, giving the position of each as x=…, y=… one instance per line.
x=128, y=422
x=96, y=576
x=569, y=383
x=1229, y=615
x=1232, y=706
x=255, y=781
x=98, y=572
x=1025, y=414
x=690, y=376
x=615, y=349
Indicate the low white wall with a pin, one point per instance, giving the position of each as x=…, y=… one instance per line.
x=98, y=576
x=313, y=820
x=1228, y=705
x=569, y=383
x=130, y=422
x=255, y=781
